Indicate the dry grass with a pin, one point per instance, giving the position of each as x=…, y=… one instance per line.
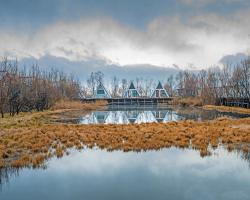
x=59, y=152
x=227, y=109
x=64, y=104
x=188, y=101
x=31, y=145
x=36, y=119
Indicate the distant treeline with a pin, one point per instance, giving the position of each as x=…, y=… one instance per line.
x=25, y=90
x=229, y=81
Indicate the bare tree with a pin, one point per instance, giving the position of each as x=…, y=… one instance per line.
x=22, y=90
x=115, y=86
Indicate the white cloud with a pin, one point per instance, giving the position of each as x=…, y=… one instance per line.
x=201, y=40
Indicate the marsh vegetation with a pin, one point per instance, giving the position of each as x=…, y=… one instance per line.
x=31, y=139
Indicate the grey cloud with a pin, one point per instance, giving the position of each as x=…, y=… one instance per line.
x=172, y=33
x=202, y=40
x=82, y=69
x=233, y=59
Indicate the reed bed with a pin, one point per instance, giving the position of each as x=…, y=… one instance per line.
x=65, y=104
x=33, y=144
x=188, y=101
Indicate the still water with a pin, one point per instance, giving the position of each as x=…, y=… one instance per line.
x=95, y=174
x=142, y=114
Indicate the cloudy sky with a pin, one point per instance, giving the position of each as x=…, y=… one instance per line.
x=164, y=33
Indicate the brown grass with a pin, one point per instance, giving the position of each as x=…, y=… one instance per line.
x=188, y=101
x=227, y=109
x=64, y=104
x=31, y=145
x=36, y=119
x=59, y=152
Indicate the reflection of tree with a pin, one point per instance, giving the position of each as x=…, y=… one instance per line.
x=6, y=173
x=200, y=114
x=192, y=113
x=244, y=155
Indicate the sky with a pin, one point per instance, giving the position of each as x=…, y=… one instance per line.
x=185, y=34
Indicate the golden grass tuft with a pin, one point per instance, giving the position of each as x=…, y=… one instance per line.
x=38, y=160
x=59, y=152
x=21, y=162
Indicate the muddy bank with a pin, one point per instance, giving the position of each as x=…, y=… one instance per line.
x=31, y=141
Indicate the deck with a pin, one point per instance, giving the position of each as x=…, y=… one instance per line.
x=133, y=101
x=234, y=102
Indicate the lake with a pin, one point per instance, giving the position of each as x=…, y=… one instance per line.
x=95, y=174
x=172, y=173
x=144, y=114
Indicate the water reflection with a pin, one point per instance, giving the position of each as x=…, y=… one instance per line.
x=6, y=174
x=142, y=114
x=166, y=174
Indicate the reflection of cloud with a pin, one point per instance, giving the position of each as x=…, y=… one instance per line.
x=156, y=162
x=201, y=40
x=171, y=173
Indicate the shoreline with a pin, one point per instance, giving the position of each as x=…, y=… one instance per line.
x=28, y=140
x=228, y=109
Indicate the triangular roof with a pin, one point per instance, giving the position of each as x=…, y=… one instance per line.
x=159, y=91
x=105, y=94
x=131, y=87
x=100, y=86
x=159, y=86
x=132, y=91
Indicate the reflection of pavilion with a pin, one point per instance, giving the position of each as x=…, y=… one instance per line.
x=129, y=116
x=97, y=117
x=117, y=117
x=160, y=115
x=101, y=117
x=145, y=117
x=132, y=115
